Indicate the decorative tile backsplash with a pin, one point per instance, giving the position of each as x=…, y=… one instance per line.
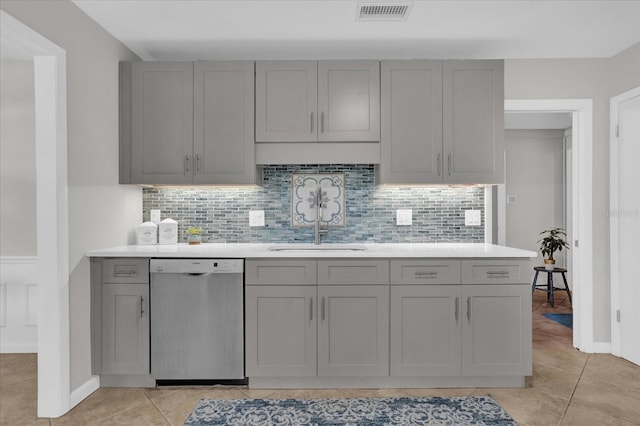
x=303, y=199
x=369, y=210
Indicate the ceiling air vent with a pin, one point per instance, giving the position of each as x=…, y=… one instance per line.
x=383, y=11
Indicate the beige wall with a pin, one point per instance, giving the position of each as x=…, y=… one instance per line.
x=17, y=157
x=597, y=79
x=535, y=176
x=101, y=212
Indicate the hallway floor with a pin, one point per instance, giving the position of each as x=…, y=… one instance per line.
x=567, y=387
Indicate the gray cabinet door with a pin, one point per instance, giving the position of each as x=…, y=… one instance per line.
x=411, y=126
x=473, y=121
x=223, y=123
x=425, y=330
x=125, y=329
x=496, y=330
x=353, y=331
x=349, y=101
x=286, y=101
x=162, y=123
x=281, y=331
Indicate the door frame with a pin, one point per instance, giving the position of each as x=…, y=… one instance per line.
x=52, y=216
x=616, y=341
x=582, y=209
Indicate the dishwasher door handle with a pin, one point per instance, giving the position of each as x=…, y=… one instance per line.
x=196, y=274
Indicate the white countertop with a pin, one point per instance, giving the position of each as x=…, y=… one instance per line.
x=274, y=250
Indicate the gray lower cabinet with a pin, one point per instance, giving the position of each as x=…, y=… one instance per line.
x=353, y=330
x=120, y=321
x=496, y=330
x=280, y=331
x=442, y=121
x=125, y=329
x=425, y=330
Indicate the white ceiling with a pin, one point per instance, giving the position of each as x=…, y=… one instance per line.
x=326, y=29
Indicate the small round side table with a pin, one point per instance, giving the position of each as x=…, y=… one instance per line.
x=549, y=288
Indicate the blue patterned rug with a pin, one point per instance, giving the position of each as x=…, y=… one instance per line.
x=473, y=410
x=564, y=319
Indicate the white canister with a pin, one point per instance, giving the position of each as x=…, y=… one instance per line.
x=168, y=231
x=147, y=233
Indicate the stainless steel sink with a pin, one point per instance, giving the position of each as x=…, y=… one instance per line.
x=318, y=248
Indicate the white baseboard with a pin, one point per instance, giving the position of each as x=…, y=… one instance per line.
x=83, y=391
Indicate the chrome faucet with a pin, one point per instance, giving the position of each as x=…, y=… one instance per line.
x=320, y=231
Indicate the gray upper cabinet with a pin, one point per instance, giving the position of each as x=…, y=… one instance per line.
x=191, y=123
x=223, y=123
x=442, y=122
x=162, y=122
x=349, y=101
x=286, y=101
x=473, y=121
x=411, y=121
x=309, y=101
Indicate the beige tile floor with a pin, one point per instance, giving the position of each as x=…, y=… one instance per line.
x=567, y=388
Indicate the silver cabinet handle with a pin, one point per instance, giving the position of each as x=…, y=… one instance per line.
x=322, y=122
x=498, y=273
x=130, y=273
x=426, y=275
x=449, y=164
x=311, y=309
x=141, y=306
x=197, y=164
x=186, y=164
x=457, y=309
x=322, y=309
x=469, y=310
x=312, y=120
x=439, y=163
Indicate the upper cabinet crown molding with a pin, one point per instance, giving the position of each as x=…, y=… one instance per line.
x=187, y=123
x=442, y=122
x=324, y=101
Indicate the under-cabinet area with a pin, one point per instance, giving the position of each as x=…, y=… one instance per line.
x=315, y=321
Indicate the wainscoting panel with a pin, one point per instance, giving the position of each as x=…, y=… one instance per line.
x=18, y=304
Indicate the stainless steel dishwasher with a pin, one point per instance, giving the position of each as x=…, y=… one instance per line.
x=197, y=321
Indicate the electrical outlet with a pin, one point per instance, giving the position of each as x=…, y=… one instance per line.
x=404, y=217
x=155, y=216
x=472, y=218
x=256, y=218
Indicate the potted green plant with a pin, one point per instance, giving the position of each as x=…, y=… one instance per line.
x=195, y=235
x=551, y=242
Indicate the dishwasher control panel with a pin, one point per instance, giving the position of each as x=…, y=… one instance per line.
x=196, y=266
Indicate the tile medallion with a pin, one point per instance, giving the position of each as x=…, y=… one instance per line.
x=303, y=198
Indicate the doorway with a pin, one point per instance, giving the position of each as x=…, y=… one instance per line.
x=536, y=198
x=51, y=212
x=581, y=210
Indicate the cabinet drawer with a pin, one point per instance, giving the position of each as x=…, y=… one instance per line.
x=425, y=272
x=346, y=272
x=496, y=271
x=280, y=272
x=125, y=271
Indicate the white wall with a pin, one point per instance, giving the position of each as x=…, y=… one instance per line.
x=597, y=79
x=101, y=212
x=17, y=159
